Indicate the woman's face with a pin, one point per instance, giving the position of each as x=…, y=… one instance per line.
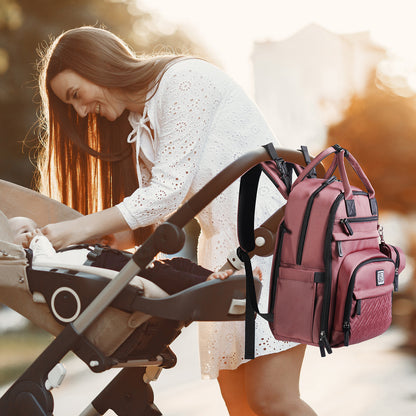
x=87, y=97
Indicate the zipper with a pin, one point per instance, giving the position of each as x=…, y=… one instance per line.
x=323, y=339
x=362, y=219
x=396, y=262
x=396, y=270
x=306, y=218
x=326, y=302
x=347, y=227
x=324, y=344
x=346, y=222
x=346, y=326
x=282, y=230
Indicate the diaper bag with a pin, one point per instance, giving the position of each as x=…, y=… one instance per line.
x=333, y=274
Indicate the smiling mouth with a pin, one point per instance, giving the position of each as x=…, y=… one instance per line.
x=97, y=109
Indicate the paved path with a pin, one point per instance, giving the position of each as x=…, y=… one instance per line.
x=372, y=378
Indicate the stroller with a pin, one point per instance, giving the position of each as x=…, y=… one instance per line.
x=115, y=319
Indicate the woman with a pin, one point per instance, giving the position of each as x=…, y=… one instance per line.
x=132, y=138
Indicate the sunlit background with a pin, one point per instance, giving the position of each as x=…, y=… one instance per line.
x=321, y=71
x=229, y=28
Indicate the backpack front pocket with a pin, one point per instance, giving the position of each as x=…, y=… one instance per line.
x=364, y=297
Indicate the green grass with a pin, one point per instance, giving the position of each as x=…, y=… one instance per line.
x=18, y=350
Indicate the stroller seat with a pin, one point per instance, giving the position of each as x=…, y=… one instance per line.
x=133, y=332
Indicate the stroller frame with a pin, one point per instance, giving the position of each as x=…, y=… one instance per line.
x=129, y=393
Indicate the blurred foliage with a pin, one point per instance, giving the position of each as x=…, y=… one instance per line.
x=379, y=128
x=20, y=348
x=27, y=26
x=404, y=308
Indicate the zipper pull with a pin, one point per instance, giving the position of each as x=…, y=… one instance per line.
x=339, y=249
x=396, y=279
x=380, y=230
x=347, y=332
x=347, y=226
x=330, y=180
x=324, y=344
x=358, y=307
x=396, y=269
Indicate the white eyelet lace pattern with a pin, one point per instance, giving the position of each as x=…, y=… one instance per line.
x=202, y=121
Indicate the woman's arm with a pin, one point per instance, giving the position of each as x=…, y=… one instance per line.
x=85, y=229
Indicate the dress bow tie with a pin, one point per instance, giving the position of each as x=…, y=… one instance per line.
x=142, y=136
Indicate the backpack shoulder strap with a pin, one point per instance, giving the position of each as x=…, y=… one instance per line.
x=246, y=205
x=279, y=173
x=307, y=157
x=285, y=173
x=252, y=306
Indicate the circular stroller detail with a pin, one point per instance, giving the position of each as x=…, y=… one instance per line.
x=65, y=304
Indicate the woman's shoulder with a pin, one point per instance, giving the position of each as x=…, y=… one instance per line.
x=188, y=64
x=189, y=69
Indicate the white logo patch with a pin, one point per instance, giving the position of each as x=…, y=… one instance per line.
x=380, y=277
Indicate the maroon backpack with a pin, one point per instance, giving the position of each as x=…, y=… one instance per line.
x=333, y=275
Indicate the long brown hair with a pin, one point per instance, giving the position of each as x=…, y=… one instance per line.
x=86, y=163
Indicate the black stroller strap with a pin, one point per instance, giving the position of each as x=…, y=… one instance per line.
x=29, y=256
x=75, y=247
x=93, y=254
x=94, y=251
x=99, y=249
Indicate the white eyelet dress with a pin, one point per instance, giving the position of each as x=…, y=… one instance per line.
x=202, y=121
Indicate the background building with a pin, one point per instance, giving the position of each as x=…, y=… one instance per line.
x=303, y=82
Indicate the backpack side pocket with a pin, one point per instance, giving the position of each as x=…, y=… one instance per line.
x=295, y=306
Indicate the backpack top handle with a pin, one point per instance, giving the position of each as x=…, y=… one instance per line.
x=338, y=161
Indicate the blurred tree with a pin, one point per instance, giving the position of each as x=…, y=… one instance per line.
x=26, y=26
x=379, y=128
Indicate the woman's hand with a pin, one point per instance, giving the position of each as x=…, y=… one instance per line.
x=88, y=229
x=258, y=273
x=222, y=275
x=122, y=240
x=64, y=234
